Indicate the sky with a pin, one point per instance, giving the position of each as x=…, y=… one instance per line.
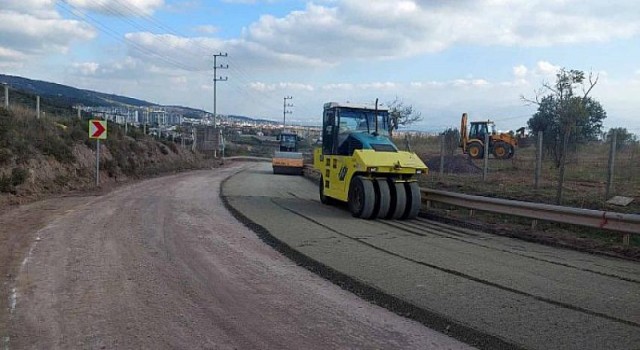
x=442, y=57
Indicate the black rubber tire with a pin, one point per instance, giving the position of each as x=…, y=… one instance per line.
x=501, y=150
x=414, y=200
x=324, y=199
x=383, y=198
x=475, y=150
x=362, y=197
x=512, y=151
x=398, y=200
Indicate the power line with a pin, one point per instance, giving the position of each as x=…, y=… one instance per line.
x=198, y=47
x=115, y=35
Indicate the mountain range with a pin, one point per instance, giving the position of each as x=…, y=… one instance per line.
x=65, y=97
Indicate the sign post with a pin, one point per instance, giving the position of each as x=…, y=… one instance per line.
x=97, y=131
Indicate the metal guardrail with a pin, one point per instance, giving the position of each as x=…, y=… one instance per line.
x=607, y=220
x=627, y=223
x=249, y=158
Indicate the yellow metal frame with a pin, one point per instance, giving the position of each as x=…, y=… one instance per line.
x=339, y=170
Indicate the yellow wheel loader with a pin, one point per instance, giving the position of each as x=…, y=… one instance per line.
x=361, y=166
x=501, y=145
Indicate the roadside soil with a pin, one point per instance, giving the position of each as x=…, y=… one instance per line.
x=161, y=264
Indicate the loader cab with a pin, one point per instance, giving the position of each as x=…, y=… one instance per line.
x=347, y=127
x=479, y=129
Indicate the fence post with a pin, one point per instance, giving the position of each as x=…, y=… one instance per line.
x=442, y=155
x=538, y=161
x=6, y=96
x=485, y=168
x=612, y=162
x=37, y=107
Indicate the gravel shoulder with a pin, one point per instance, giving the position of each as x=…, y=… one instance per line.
x=162, y=264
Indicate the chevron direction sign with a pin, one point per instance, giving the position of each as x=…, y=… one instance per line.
x=97, y=129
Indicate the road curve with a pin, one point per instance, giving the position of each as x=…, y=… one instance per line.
x=161, y=264
x=491, y=291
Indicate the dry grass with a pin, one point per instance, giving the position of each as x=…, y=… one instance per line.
x=585, y=179
x=585, y=184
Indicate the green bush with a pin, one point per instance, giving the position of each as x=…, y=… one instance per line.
x=5, y=156
x=8, y=183
x=5, y=184
x=19, y=176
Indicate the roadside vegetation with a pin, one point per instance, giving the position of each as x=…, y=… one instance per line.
x=584, y=187
x=53, y=154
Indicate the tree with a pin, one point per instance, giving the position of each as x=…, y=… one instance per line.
x=623, y=137
x=401, y=114
x=566, y=116
x=451, y=141
x=585, y=125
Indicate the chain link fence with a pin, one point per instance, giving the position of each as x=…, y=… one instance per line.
x=588, y=173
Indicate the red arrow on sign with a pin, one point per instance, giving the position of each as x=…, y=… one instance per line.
x=99, y=129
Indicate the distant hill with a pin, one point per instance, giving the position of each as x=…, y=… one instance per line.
x=58, y=97
x=66, y=95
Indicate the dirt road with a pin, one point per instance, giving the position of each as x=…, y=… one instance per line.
x=161, y=264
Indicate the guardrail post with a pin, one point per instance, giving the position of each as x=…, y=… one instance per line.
x=536, y=183
x=37, y=107
x=612, y=162
x=485, y=168
x=442, y=155
x=626, y=239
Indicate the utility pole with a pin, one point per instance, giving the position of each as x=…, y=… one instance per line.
x=285, y=111
x=216, y=79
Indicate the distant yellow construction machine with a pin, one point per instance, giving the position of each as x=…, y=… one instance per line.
x=287, y=160
x=472, y=142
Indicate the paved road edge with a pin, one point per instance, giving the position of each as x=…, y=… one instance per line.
x=376, y=296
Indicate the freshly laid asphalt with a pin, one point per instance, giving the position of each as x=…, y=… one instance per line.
x=489, y=291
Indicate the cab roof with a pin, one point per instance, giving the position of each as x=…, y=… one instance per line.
x=371, y=107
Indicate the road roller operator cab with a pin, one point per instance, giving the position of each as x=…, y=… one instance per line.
x=360, y=165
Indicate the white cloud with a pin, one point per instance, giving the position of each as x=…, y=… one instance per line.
x=179, y=80
x=329, y=33
x=136, y=8
x=126, y=69
x=207, y=29
x=378, y=85
x=32, y=28
x=520, y=72
x=262, y=87
x=340, y=86
x=546, y=68
x=349, y=29
x=86, y=68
